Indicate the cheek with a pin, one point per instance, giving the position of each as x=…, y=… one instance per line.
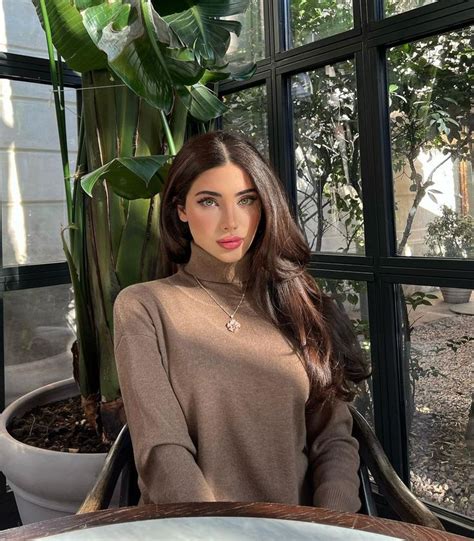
x=201, y=220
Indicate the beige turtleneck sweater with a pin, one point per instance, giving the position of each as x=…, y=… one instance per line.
x=220, y=416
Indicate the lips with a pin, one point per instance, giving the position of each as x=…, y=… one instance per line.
x=230, y=243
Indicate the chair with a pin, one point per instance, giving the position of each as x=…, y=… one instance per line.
x=373, y=459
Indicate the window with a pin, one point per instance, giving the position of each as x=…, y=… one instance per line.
x=39, y=331
x=394, y=7
x=247, y=116
x=312, y=20
x=18, y=19
x=250, y=45
x=430, y=92
x=327, y=158
x=351, y=298
x=32, y=186
x=438, y=349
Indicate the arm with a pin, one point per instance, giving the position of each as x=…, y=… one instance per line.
x=333, y=457
x=163, y=449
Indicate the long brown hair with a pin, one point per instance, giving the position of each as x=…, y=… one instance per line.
x=281, y=286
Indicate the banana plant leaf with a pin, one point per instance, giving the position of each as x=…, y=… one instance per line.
x=202, y=103
x=70, y=37
x=133, y=178
x=135, y=52
x=237, y=73
x=199, y=28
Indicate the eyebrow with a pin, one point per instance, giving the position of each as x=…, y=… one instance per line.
x=217, y=194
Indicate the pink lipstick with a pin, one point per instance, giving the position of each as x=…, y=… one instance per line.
x=230, y=243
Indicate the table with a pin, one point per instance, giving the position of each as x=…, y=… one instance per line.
x=362, y=523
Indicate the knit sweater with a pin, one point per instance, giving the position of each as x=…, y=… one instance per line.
x=220, y=416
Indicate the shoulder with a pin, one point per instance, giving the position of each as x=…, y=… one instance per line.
x=147, y=294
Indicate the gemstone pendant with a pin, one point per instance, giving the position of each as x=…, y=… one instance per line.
x=232, y=325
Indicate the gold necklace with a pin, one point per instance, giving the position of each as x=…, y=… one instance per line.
x=232, y=325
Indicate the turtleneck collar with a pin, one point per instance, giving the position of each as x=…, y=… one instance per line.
x=208, y=268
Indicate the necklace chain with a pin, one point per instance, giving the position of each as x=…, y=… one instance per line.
x=232, y=325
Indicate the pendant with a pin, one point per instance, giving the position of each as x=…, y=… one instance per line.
x=232, y=325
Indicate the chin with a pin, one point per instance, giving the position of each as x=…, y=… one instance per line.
x=231, y=256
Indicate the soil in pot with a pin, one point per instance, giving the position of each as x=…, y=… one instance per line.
x=58, y=426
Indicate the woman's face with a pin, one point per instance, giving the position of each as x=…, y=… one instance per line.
x=223, y=211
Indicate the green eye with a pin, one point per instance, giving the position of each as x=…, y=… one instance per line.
x=208, y=202
x=247, y=201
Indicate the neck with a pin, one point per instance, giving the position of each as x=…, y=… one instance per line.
x=206, y=267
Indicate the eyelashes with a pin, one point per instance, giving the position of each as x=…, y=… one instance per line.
x=205, y=200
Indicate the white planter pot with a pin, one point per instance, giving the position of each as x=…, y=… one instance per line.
x=46, y=484
x=454, y=295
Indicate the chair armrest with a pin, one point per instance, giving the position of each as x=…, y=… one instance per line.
x=407, y=506
x=119, y=455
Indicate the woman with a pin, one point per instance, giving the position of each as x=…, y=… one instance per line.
x=235, y=369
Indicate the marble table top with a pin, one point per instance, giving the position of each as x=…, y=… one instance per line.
x=219, y=528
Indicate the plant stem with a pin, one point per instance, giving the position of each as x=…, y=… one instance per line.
x=169, y=137
x=60, y=111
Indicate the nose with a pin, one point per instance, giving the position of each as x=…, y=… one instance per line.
x=229, y=222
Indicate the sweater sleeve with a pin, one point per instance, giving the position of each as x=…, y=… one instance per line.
x=164, y=451
x=333, y=457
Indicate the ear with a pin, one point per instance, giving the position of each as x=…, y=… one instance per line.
x=182, y=213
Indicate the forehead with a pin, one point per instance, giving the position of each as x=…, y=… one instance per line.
x=225, y=178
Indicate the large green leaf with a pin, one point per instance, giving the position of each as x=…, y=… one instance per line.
x=204, y=104
x=129, y=269
x=235, y=72
x=137, y=54
x=199, y=28
x=133, y=178
x=70, y=37
x=88, y=353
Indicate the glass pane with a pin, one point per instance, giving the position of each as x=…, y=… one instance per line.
x=437, y=351
x=39, y=331
x=247, y=116
x=394, y=7
x=351, y=297
x=430, y=92
x=250, y=45
x=20, y=29
x=32, y=186
x=327, y=158
x=311, y=20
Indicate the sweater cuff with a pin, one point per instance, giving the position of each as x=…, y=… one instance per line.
x=337, y=498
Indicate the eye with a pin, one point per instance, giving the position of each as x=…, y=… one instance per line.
x=207, y=202
x=247, y=200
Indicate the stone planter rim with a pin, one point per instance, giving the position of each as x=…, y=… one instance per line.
x=22, y=402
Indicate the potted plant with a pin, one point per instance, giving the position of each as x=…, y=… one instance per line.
x=145, y=67
x=451, y=235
